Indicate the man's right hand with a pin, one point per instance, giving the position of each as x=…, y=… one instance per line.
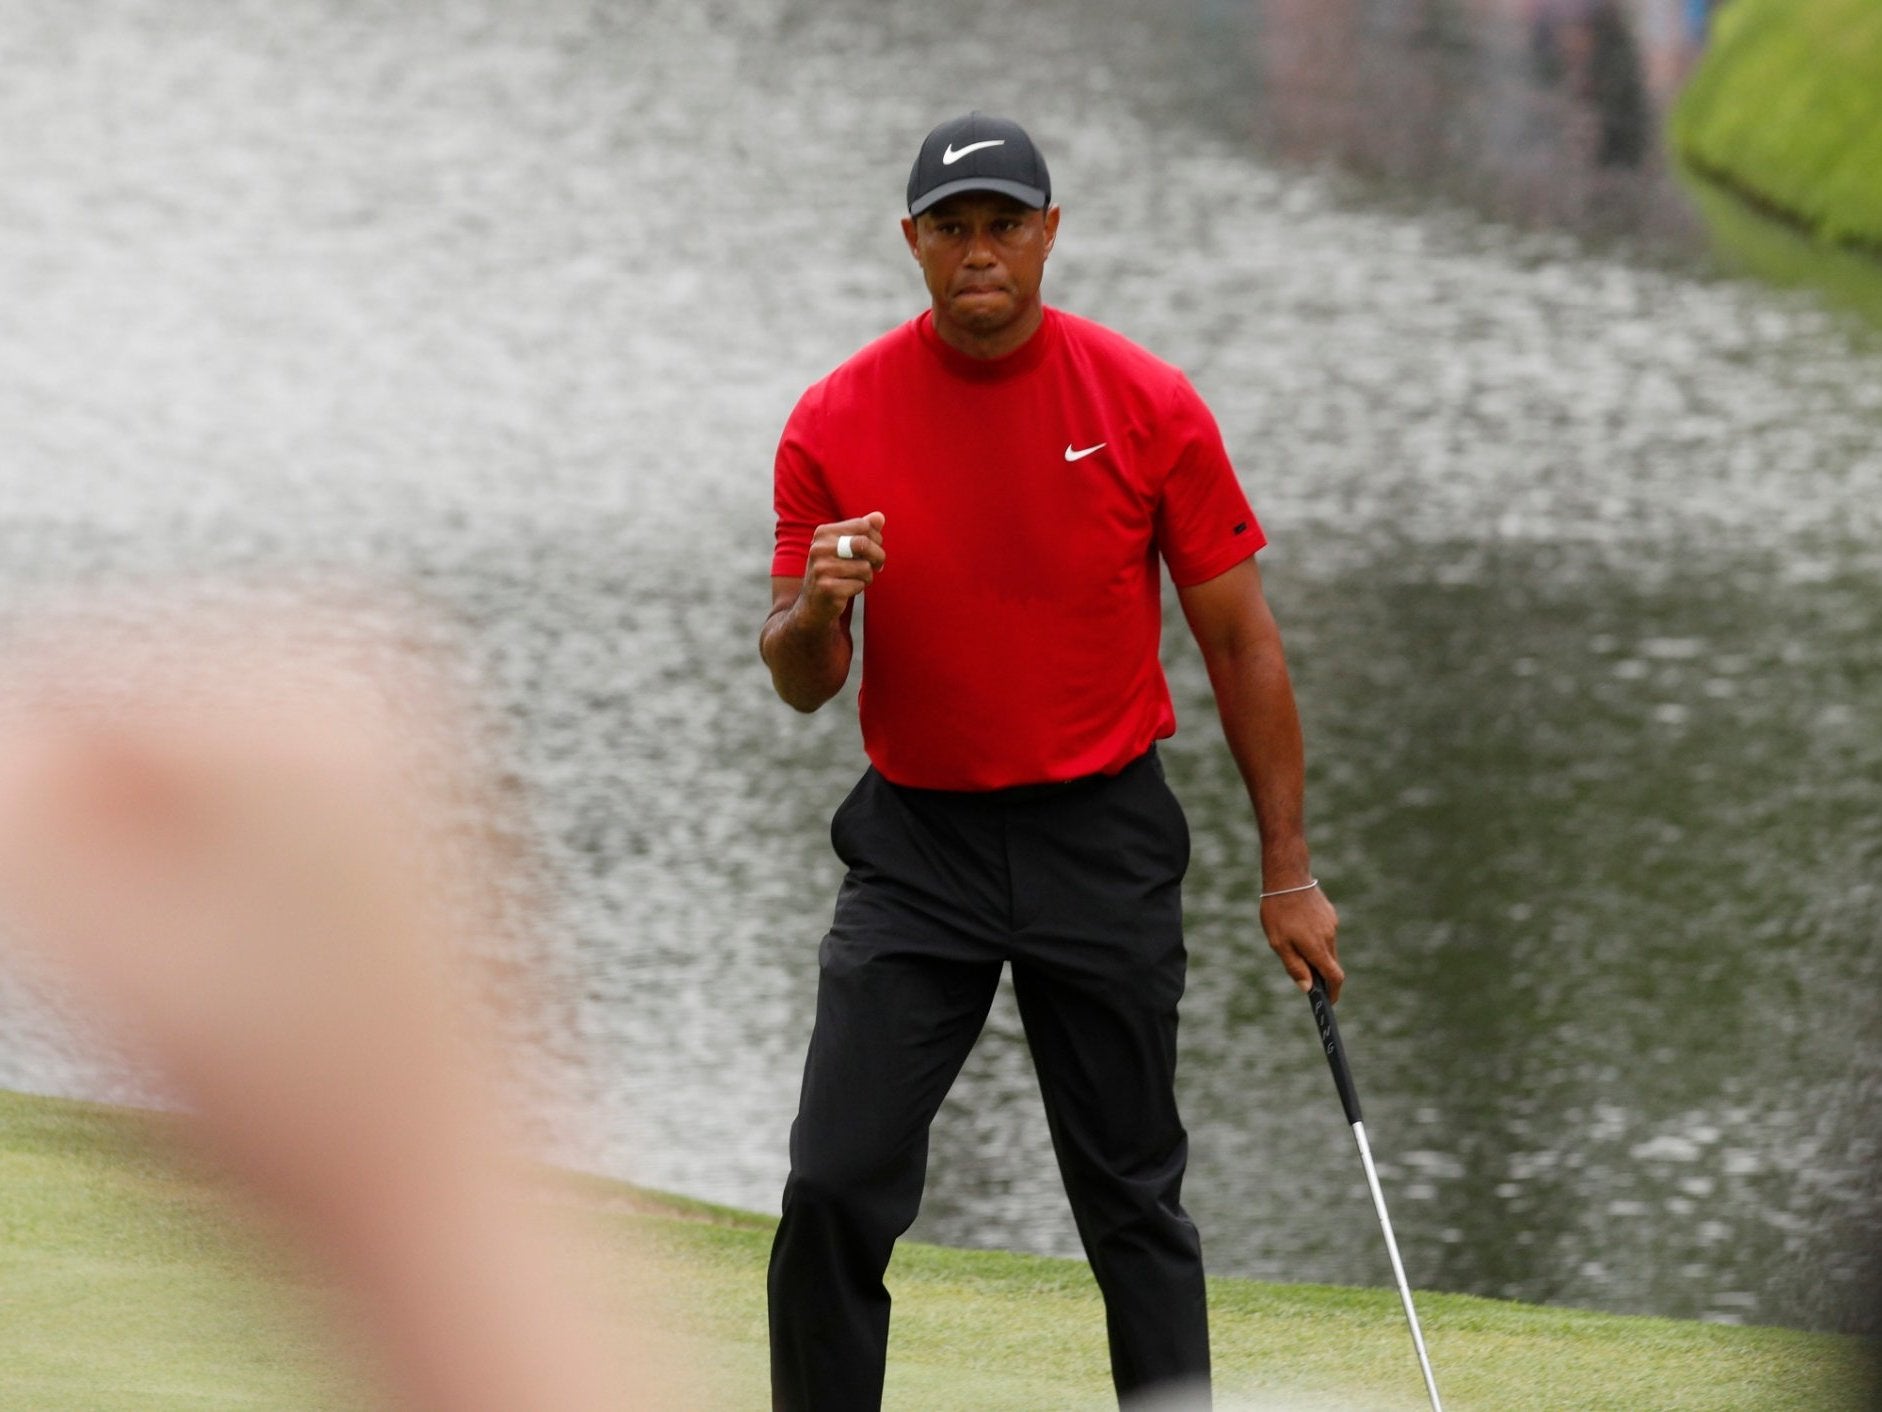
x=806, y=639
x=830, y=580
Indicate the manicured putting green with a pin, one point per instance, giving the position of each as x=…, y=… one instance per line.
x=127, y=1286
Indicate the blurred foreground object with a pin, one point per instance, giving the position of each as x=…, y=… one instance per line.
x=246, y=836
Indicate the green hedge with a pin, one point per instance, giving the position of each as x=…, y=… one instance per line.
x=1786, y=110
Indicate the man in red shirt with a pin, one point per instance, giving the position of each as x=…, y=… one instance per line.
x=1028, y=469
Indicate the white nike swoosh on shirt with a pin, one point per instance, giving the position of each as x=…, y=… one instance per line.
x=1072, y=455
x=950, y=157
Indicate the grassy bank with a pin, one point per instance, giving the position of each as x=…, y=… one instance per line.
x=1779, y=252
x=125, y=1285
x=1785, y=110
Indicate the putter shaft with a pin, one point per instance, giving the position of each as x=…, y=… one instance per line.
x=1398, y=1267
x=1349, y=1100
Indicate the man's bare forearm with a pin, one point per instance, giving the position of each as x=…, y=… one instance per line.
x=806, y=639
x=809, y=661
x=1262, y=726
x=1242, y=647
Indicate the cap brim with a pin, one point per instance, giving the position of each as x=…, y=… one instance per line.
x=1019, y=191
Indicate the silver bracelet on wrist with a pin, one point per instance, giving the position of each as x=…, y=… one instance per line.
x=1307, y=886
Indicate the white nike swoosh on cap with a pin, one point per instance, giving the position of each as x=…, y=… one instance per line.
x=1072, y=455
x=950, y=157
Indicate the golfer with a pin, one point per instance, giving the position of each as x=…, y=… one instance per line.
x=996, y=481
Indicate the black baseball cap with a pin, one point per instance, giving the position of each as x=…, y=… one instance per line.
x=978, y=153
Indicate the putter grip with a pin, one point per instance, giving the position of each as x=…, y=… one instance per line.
x=1336, y=1052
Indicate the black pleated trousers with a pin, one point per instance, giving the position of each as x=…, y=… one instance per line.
x=1078, y=887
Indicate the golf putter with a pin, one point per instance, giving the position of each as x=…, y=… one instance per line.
x=1349, y=1100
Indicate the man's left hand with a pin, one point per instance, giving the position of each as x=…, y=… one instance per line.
x=1303, y=930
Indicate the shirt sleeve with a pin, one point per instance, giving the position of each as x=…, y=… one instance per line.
x=799, y=493
x=1204, y=524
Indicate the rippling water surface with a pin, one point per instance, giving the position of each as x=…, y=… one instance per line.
x=1577, y=558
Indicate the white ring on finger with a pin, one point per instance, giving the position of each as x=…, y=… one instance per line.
x=845, y=546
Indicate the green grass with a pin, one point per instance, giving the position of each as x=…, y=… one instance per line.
x=1781, y=253
x=125, y=1283
x=1786, y=111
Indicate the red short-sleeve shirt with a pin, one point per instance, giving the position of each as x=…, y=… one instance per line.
x=1012, y=636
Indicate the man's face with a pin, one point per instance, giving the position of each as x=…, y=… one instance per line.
x=983, y=256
